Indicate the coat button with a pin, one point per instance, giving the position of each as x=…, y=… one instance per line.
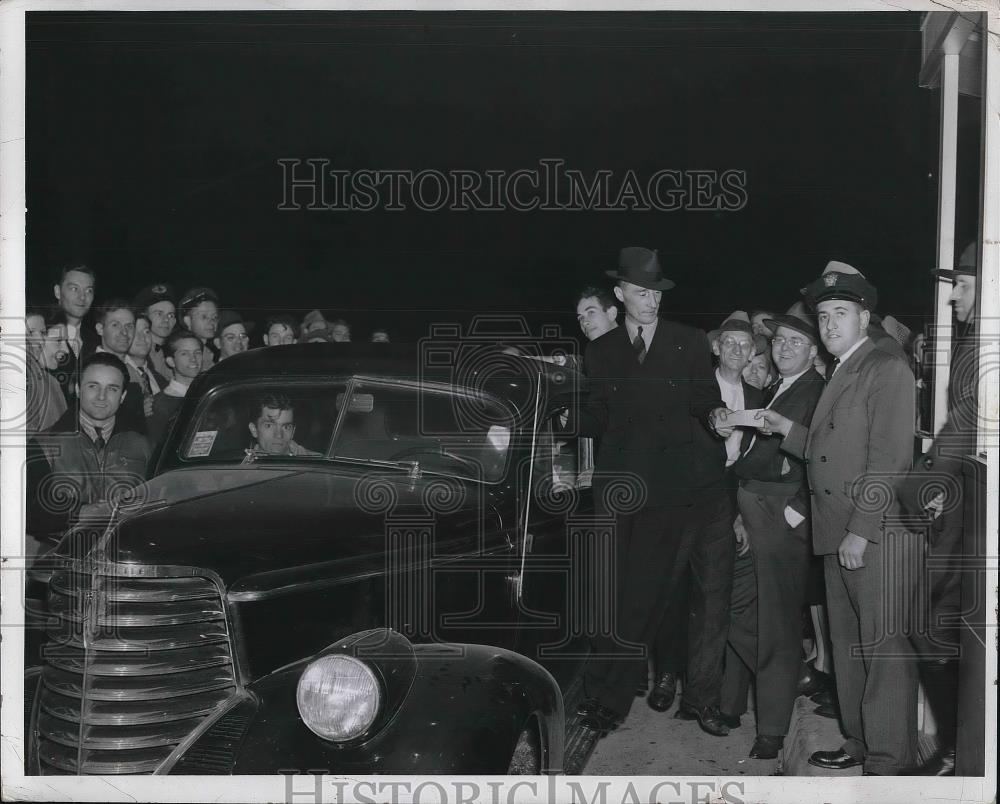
x=826, y=491
x=831, y=425
x=629, y=420
x=822, y=458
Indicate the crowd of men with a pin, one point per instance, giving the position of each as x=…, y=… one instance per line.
x=759, y=451
x=784, y=479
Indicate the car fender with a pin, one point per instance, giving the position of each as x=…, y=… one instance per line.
x=462, y=712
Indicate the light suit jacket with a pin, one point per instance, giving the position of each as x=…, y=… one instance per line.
x=858, y=445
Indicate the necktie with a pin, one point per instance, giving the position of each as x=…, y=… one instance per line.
x=99, y=441
x=640, y=346
x=833, y=368
x=770, y=392
x=144, y=383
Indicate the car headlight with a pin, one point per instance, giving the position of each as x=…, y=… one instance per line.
x=338, y=697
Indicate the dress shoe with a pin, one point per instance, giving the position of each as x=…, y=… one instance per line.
x=941, y=764
x=827, y=710
x=708, y=718
x=733, y=721
x=601, y=720
x=814, y=680
x=661, y=698
x=834, y=760
x=766, y=747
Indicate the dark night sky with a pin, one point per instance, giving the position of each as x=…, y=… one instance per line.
x=153, y=142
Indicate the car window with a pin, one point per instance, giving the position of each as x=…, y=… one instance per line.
x=436, y=430
x=561, y=458
x=439, y=431
x=294, y=420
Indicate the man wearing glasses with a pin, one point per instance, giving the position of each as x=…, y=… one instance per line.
x=773, y=532
x=232, y=338
x=157, y=302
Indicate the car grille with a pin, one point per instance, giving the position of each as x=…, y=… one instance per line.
x=132, y=666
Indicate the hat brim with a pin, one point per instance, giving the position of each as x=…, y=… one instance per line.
x=661, y=284
x=947, y=273
x=839, y=294
x=249, y=326
x=792, y=322
x=735, y=325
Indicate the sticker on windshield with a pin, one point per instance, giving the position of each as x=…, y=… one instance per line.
x=201, y=444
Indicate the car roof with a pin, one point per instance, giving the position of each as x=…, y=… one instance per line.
x=475, y=365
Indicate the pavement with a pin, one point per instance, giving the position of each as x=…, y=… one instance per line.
x=657, y=744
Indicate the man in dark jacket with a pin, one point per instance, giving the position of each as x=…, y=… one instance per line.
x=651, y=386
x=942, y=516
x=80, y=466
x=775, y=545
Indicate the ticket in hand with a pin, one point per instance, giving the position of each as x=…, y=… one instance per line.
x=744, y=418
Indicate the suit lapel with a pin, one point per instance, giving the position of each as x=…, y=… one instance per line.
x=842, y=379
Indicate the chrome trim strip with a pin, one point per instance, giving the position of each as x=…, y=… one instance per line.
x=224, y=708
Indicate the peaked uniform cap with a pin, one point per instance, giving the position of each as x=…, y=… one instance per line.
x=841, y=281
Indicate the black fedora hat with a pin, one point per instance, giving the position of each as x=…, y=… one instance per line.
x=796, y=318
x=641, y=267
x=966, y=264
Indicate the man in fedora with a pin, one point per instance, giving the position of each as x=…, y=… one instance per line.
x=860, y=437
x=651, y=387
x=943, y=517
x=773, y=531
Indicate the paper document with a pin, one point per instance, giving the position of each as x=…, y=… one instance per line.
x=744, y=418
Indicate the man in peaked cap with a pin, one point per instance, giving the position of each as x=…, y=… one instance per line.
x=920, y=495
x=769, y=585
x=651, y=387
x=158, y=302
x=861, y=434
x=199, y=311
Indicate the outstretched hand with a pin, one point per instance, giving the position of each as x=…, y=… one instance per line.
x=769, y=421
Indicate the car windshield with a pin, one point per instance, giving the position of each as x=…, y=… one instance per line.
x=408, y=425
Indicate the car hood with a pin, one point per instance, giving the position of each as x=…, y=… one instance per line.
x=240, y=521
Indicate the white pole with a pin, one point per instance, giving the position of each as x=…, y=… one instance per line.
x=947, y=165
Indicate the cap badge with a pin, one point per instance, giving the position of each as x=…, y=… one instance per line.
x=159, y=289
x=830, y=279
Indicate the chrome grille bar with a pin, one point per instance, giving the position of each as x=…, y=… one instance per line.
x=137, y=658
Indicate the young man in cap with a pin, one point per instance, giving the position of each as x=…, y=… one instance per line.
x=596, y=312
x=861, y=433
x=233, y=335
x=943, y=516
x=184, y=353
x=88, y=457
x=140, y=367
x=703, y=613
x=643, y=435
x=279, y=330
x=772, y=530
x=340, y=331
x=157, y=302
x=199, y=309
x=116, y=328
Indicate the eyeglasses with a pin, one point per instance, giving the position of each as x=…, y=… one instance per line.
x=732, y=343
x=795, y=343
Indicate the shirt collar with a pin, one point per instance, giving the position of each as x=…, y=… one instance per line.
x=175, y=388
x=91, y=427
x=647, y=329
x=786, y=381
x=844, y=357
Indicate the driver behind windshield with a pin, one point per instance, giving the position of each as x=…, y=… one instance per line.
x=272, y=425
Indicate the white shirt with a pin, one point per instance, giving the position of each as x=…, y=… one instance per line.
x=732, y=397
x=647, y=332
x=843, y=358
x=175, y=388
x=787, y=382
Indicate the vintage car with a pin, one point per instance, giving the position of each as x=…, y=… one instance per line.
x=394, y=589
